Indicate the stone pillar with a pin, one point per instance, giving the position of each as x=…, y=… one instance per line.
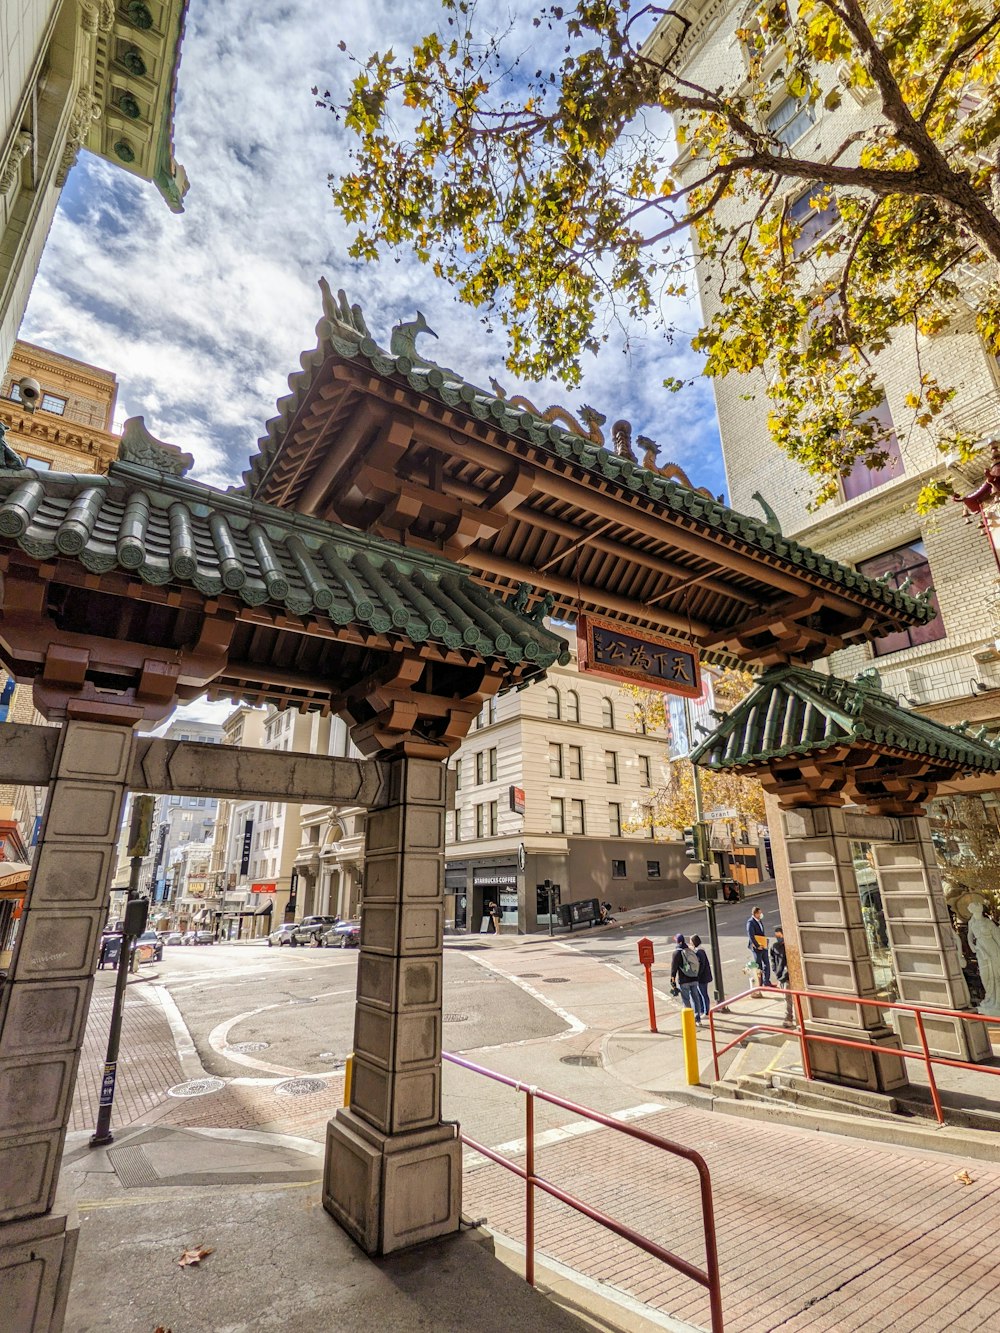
x=43, y=1010
x=925, y=951
x=393, y=1171
x=834, y=952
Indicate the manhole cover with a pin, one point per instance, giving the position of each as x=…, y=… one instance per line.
x=245, y=1047
x=456, y=1018
x=196, y=1087
x=591, y=1061
x=551, y=981
x=301, y=1087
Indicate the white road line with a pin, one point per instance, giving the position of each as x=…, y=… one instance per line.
x=562, y=1132
x=574, y=1024
x=217, y=1038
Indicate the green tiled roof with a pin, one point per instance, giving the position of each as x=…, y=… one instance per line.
x=793, y=712
x=165, y=529
x=346, y=336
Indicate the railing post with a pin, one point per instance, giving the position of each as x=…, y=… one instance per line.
x=711, y=1033
x=529, y=1187
x=935, y=1097
x=803, y=1039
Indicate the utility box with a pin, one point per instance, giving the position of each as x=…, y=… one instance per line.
x=136, y=915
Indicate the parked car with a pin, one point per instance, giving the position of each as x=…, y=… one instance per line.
x=344, y=935
x=188, y=937
x=175, y=937
x=204, y=937
x=282, y=935
x=310, y=929
x=150, y=937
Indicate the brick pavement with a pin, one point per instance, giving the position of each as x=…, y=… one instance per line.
x=815, y=1235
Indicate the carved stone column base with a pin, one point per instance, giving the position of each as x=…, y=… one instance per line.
x=857, y=1069
x=392, y=1191
x=36, y=1263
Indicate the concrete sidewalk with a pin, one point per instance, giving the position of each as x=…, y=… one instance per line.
x=278, y=1262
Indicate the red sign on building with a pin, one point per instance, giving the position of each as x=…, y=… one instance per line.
x=637, y=656
x=263, y=888
x=517, y=800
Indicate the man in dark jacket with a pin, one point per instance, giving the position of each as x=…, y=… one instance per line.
x=684, y=968
x=779, y=966
x=704, y=972
x=757, y=944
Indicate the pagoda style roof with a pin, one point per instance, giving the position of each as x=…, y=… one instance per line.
x=387, y=441
x=802, y=730
x=307, y=607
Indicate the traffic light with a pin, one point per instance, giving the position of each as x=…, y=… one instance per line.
x=695, y=843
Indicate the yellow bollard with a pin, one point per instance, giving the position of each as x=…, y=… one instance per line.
x=348, y=1073
x=688, y=1033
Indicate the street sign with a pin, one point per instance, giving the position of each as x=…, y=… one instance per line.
x=722, y=812
x=608, y=649
x=692, y=872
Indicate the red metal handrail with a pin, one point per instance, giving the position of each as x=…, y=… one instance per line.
x=707, y=1277
x=917, y=1010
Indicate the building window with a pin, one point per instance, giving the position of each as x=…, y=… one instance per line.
x=790, y=119
x=555, y=761
x=480, y=820
x=644, y=777
x=491, y=811
x=39, y=464
x=491, y=710
x=900, y=564
x=617, y=869
x=558, y=814
x=615, y=818
x=607, y=714
x=493, y=764
x=480, y=767
x=861, y=479
x=652, y=870
x=575, y=757
x=572, y=706
x=458, y=823
x=611, y=766
x=458, y=775
x=576, y=819
x=552, y=698
x=811, y=217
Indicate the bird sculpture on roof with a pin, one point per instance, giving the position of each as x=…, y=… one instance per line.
x=771, y=521
x=403, y=339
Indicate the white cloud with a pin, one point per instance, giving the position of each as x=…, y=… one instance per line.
x=203, y=316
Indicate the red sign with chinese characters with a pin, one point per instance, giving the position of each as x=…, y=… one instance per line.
x=637, y=656
x=263, y=888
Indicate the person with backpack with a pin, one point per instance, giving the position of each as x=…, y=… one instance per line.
x=684, y=968
x=704, y=973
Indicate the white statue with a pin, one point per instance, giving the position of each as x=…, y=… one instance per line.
x=984, y=940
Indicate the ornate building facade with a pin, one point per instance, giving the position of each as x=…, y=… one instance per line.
x=78, y=74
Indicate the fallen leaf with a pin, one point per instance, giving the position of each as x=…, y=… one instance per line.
x=194, y=1256
x=964, y=1178
x=160, y=1329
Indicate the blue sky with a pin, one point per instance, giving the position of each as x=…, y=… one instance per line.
x=202, y=316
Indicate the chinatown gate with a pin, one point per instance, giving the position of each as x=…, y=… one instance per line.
x=394, y=550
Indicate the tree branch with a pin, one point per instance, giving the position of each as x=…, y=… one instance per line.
x=952, y=60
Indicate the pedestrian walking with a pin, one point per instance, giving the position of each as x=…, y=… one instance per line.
x=757, y=944
x=779, y=966
x=494, y=914
x=704, y=974
x=684, y=968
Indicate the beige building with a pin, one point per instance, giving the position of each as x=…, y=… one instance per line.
x=949, y=669
x=330, y=856
x=78, y=74
x=546, y=783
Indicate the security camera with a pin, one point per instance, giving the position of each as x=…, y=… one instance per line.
x=30, y=391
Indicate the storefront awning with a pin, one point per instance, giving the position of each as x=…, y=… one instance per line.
x=14, y=876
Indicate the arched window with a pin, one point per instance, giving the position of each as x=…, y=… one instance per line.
x=607, y=714
x=554, y=708
x=572, y=706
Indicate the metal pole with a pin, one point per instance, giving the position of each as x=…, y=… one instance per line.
x=102, y=1133
x=551, y=894
x=699, y=812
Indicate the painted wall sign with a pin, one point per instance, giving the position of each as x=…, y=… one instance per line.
x=641, y=658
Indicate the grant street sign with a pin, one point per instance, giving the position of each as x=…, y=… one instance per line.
x=637, y=656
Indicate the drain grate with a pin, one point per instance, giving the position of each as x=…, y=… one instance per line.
x=196, y=1087
x=245, y=1047
x=301, y=1087
x=456, y=1018
x=551, y=981
x=132, y=1167
x=525, y=976
x=589, y=1061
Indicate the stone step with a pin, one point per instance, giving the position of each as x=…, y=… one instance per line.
x=876, y=1102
